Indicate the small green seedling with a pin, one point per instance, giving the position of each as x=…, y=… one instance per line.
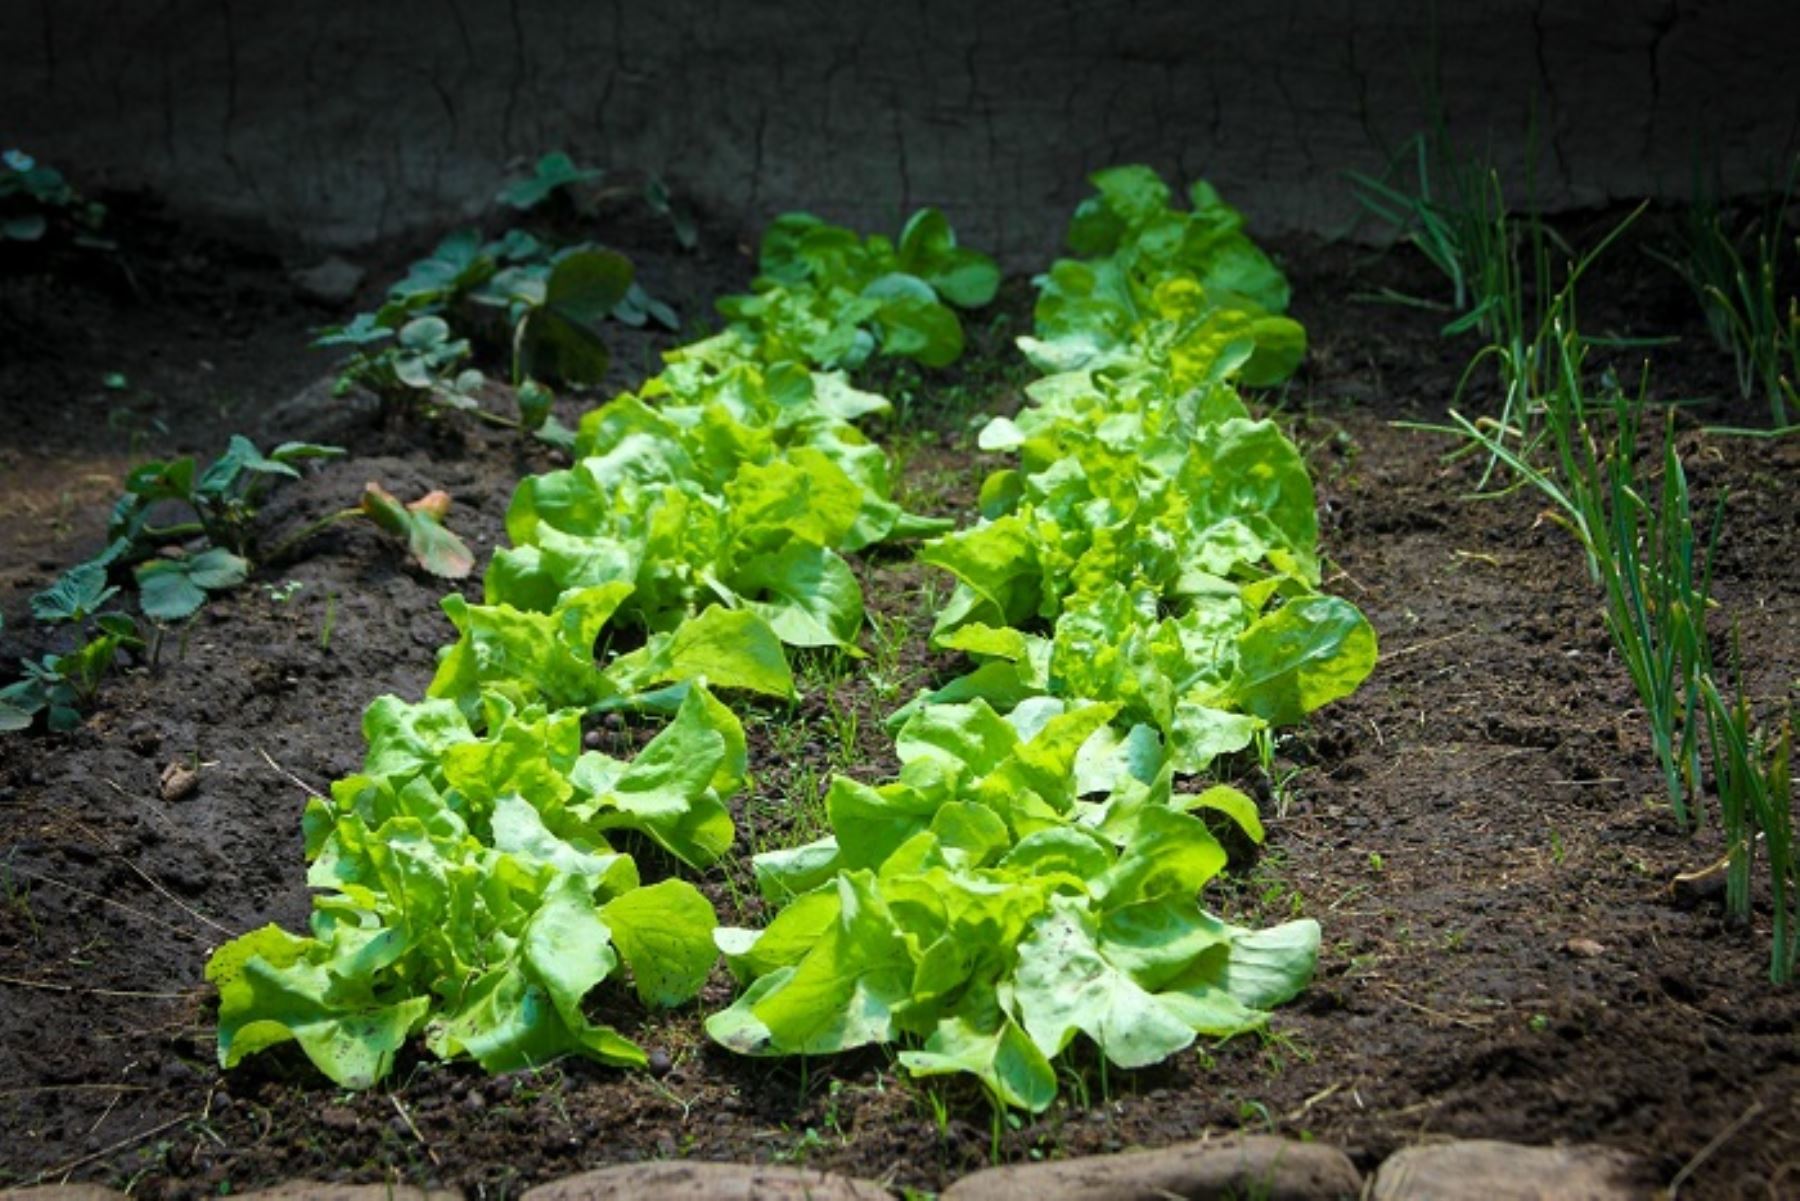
x=283, y=592
x=63, y=686
x=217, y=506
x=417, y=363
x=554, y=172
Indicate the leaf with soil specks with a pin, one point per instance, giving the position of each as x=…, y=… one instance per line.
x=664, y=932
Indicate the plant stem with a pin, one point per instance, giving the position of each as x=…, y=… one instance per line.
x=281, y=549
x=186, y=529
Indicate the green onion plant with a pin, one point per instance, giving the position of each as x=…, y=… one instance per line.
x=1502, y=267
x=1736, y=279
x=1634, y=518
x=1756, y=805
x=1639, y=536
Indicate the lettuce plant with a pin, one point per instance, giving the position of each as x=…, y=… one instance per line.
x=466, y=890
x=989, y=905
x=831, y=299
x=1156, y=548
x=739, y=487
x=1140, y=598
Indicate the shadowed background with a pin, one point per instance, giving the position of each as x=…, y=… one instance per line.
x=343, y=123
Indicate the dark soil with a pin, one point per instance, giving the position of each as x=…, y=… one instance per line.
x=1479, y=829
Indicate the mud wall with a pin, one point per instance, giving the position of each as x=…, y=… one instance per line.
x=339, y=123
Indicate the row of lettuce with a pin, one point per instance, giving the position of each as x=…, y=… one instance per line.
x=1140, y=597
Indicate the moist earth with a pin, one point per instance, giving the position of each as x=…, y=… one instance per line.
x=1479, y=829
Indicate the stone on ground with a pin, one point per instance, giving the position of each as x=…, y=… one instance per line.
x=1487, y=1170
x=706, y=1182
x=1211, y=1170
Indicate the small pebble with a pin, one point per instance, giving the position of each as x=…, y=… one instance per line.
x=178, y=781
x=659, y=1062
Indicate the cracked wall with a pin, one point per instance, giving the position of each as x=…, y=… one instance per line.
x=342, y=123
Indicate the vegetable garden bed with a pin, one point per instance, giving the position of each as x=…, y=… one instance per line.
x=1476, y=830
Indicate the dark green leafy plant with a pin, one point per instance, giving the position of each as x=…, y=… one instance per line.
x=64, y=686
x=555, y=302
x=35, y=198
x=76, y=595
x=561, y=334
x=555, y=310
x=207, y=547
x=167, y=506
x=218, y=508
x=221, y=502
x=170, y=589
x=416, y=365
x=554, y=172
